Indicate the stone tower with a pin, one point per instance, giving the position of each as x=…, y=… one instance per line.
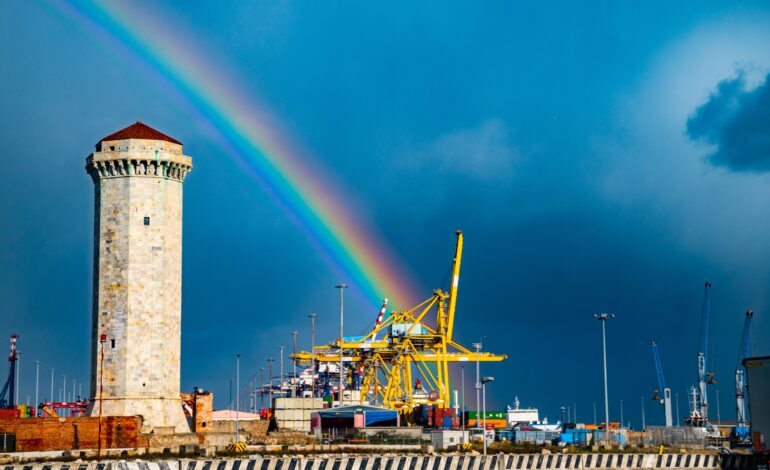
x=138, y=174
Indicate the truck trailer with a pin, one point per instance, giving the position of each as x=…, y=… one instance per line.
x=758, y=386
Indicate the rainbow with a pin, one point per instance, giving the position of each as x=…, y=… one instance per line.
x=259, y=147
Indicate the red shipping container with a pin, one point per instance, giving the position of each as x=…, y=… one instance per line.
x=9, y=413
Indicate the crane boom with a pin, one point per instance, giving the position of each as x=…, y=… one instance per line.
x=665, y=400
x=658, y=366
x=9, y=389
x=740, y=386
x=455, y=283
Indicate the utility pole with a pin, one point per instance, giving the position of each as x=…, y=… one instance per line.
x=719, y=419
x=602, y=317
x=574, y=412
x=644, y=424
x=342, y=288
x=312, y=353
x=51, y=397
x=594, y=413
x=294, y=364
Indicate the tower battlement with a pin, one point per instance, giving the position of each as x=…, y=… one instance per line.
x=138, y=175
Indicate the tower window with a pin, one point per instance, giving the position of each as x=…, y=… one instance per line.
x=146, y=221
x=112, y=343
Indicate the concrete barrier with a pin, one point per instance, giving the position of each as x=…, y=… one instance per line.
x=426, y=462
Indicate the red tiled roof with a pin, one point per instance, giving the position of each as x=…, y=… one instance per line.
x=140, y=131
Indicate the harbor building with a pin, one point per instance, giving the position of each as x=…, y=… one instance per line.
x=138, y=174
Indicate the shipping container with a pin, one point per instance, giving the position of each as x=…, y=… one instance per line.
x=489, y=415
x=536, y=437
x=495, y=423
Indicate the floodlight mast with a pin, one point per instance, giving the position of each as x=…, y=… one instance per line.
x=603, y=317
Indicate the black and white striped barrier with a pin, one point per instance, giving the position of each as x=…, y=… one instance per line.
x=118, y=465
x=427, y=462
x=478, y=462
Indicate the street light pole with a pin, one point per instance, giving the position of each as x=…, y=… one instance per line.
x=342, y=288
x=102, y=340
x=280, y=380
x=262, y=388
x=51, y=397
x=64, y=389
x=477, y=346
x=270, y=378
x=484, y=409
x=237, y=392
x=602, y=317
x=37, y=384
x=462, y=409
x=294, y=365
x=621, y=413
x=16, y=398
x=644, y=422
x=312, y=354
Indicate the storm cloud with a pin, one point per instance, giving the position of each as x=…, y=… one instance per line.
x=736, y=121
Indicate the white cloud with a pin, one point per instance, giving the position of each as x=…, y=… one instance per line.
x=483, y=152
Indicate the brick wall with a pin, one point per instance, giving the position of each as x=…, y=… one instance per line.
x=202, y=405
x=40, y=434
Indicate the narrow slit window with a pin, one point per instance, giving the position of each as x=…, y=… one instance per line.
x=112, y=343
x=146, y=221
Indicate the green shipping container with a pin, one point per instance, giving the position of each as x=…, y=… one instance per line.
x=489, y=415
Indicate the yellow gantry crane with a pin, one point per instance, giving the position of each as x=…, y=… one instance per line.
x=408, y=364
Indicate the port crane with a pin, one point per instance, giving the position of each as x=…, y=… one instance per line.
x=741, y=430
x=411, y=347
x=704, y=378
x=664, y=400
x=7, y=394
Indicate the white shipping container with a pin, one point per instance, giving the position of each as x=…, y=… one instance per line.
x=298, y=403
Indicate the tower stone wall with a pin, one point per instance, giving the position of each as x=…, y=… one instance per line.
x=138, y=177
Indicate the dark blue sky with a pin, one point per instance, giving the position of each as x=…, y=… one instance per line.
x=599, y=156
